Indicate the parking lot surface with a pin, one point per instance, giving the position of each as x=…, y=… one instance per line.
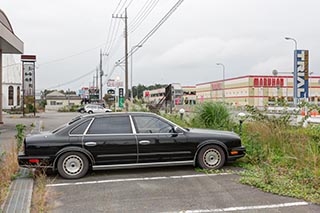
x=174, y=189
x=170, y=189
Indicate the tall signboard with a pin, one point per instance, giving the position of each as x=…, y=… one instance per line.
x=28, y=81
x=121, y=97
x=301, y=75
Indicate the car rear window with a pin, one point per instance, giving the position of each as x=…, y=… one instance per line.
x=79, y=130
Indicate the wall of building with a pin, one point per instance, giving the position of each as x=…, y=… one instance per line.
x=11, y=76
x=254, y=90
x=56, y=104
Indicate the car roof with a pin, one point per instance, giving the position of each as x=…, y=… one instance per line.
x=119, y=114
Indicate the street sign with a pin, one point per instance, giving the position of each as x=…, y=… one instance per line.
x=111, y=91
x=111, y=98
x=121, y=97
x=302, y=73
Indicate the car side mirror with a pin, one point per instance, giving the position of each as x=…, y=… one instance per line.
x=175, y=131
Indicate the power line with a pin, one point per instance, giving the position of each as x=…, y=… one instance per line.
x=117, y=6
x=154, y=29
x=139, y=13
x=61, y=59
x=122, y=6
x=144, y=16
x=73, y=80
x=70, y=56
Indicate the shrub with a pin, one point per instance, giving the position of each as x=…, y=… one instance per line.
x=20, y=135
x=214, y=115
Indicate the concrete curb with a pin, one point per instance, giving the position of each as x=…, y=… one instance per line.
x=20, y=193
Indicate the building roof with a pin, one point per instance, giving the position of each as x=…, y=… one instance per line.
x=55, y=95
x=9, y=42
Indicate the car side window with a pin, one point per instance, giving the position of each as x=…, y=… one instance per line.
x=79, y=130
x=110, y=125
x=148, y=124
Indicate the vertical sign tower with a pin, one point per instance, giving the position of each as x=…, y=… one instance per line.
x=28, y=81
x=301, y=75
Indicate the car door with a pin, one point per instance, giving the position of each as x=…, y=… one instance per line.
x=158, y=143
x=111, y=141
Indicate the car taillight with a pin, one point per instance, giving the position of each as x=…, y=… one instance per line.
x=34, y=160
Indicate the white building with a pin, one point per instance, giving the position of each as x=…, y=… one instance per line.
x=11, y=83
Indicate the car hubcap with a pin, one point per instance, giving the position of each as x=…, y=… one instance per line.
x=211, y=158
x=72, y=165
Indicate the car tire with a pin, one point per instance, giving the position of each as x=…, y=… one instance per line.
x=73, y=165
x=90, y=112
x=211, y=157
x=82, y=111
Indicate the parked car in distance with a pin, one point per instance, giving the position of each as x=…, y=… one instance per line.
x=81, y=109
x=127, y=140
x=91, y=108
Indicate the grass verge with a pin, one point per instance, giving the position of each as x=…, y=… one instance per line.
x=40, y=193
x=8, y=170
x=283, y=159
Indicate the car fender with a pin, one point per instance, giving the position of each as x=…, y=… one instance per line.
x=210, y=142
x=73, y=149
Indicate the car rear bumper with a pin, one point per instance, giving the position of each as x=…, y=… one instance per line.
x=34, y=161
x=237, y=152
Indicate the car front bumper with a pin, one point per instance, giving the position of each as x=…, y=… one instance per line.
x=237, y=152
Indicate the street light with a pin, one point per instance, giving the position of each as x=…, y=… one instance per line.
x=135, y=46
x=294, y=40
x=242, y=117
x=295, y=74
x=224, y=77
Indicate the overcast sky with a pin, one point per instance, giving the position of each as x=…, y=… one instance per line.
x=247, y=36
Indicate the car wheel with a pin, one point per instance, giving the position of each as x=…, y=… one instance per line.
x=90, y=112
x=82, y=111
x=211, y=157
x=73, y=165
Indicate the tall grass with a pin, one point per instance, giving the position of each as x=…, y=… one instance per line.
x=8, y=167
x=285, y=159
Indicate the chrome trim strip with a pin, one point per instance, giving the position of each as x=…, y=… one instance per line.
x=109, y=134
x=117, y=155
x=139, y=165
x=143, y=154
x=133, y=127
x=85, y=131
x=169, y=134
x=165, y=153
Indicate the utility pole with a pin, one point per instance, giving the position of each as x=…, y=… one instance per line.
x=97, y=75
x=101, y=74
x=125, y=17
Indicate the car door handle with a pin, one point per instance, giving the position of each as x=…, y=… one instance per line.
x=144, y=142
x=90, y=143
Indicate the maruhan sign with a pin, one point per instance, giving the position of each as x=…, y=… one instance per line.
x=301, y=74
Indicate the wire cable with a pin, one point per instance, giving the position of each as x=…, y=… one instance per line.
x=73, y=80
x=138, y=14
x=153, y=30
x=146, y=14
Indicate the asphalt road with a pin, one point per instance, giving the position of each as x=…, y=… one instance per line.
x=48, y=121
x=172, y=189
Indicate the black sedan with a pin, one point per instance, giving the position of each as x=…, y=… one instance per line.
x=126, y=140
